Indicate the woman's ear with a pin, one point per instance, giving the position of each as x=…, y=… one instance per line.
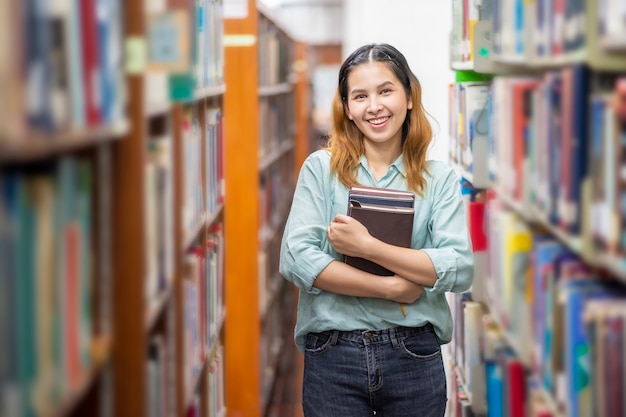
x=410, y=104
x=347, y=111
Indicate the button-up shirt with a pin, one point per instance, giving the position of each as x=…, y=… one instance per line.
x=439, y=229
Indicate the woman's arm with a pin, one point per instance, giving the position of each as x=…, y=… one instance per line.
x=350, y=237
x=341, y=278
x=447, y=265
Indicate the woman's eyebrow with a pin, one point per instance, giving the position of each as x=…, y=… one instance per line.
x=362, y=90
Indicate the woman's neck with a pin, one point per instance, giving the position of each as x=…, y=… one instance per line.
x=380, y=157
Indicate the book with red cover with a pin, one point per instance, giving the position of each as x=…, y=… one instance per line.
x=387, y=215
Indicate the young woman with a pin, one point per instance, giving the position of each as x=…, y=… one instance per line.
x=363, y=354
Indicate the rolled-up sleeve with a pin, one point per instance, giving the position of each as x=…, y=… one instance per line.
x=305, y=251
x=451, y=251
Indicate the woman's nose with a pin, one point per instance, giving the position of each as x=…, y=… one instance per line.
x=374, y=105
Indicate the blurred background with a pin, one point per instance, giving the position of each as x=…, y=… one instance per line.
x=148, y=154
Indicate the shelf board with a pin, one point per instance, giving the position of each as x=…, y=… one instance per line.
x=612, y=263
x=192, y=234
x=100, y=354
x=35, y=146
x=274, y=90
x=276, y=285
x=615, y=264
x=613, y=43
x=533, y=215
x=462, y=66
x=209, y=91
x=267, y=160
x=513, y=343
x=269, y=374
x=189, y=395
x=215, y=215
x=220, y=325
x=158, y=306
x=462, y=172
x=155, y=109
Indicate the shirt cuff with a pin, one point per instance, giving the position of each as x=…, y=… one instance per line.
x=444, y=261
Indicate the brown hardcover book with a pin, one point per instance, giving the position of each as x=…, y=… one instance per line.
x=387, y=215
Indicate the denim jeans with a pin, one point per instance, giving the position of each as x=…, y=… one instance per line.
x=395, y=372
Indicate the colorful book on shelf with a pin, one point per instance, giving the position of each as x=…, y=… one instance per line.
x=577, y=297
x=521, y=117
x=474, y=365
x=574, y=145
x=603, y=326
x=387, y=215
x=546, y=250
x=494, y=373
x=91, y=62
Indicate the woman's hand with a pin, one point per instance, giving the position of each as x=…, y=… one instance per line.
x=348, y=236
x=402, y=290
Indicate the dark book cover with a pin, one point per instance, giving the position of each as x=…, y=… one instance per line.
x=387, y=215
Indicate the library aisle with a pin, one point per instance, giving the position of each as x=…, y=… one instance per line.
x=145, y=177
x=286, y=395
x=538, y=122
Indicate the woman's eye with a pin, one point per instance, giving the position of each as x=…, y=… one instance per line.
x=359, y=97
x=385, y=91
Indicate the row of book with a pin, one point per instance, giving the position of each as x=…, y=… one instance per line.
x=203, y=303
x=565, y=130
x=214, y=124
x=66, y=69
x=543, y=336
x=159, y=218
x=589, y=361
x=275, y=191
x=276, y=112
x=161, y=389
x=539, y=31
x=277, y=331
x=161, y=376
x=185, y=50
x=562, y=161
x=464, y=16
x=215, y=390
x=51, y=309
x=468, y=129
x=199, y=199
x=275, y=55
x=550, y=29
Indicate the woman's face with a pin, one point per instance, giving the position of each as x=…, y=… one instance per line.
x=377, y=102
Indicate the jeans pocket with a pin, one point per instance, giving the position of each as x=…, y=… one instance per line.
x=423, y=346
x=318, y=342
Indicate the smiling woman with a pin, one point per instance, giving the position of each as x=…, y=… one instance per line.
x=377, y=103
x=348, y=317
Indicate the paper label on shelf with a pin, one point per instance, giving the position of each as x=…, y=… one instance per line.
x=235, y=9
x=239, y=40
x=136, y=55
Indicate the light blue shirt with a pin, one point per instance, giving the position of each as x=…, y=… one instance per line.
x=439, y=229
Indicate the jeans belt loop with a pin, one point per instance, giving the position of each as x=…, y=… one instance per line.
x=333, y=337
x=393, y=337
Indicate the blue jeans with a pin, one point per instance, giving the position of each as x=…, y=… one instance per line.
x=395, y=372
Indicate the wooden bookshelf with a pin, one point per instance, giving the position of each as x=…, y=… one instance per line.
x=56, y=340
x=266, y=117
x=575, y=79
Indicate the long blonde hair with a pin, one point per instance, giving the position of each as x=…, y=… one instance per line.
x=346, y=140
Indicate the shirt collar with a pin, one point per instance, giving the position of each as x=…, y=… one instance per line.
x=398, y=164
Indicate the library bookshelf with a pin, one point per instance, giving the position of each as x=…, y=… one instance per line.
x=111, y=209
x=262, y=156
x=547, y=167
